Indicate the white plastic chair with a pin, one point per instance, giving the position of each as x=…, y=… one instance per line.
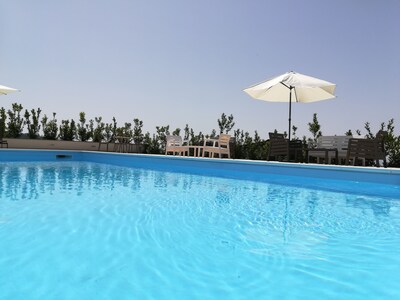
x=219, y=146
x=175, y=145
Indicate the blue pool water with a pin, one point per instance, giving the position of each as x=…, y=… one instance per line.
x=84, y=230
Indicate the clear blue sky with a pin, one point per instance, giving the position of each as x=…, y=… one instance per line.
x=180, y=61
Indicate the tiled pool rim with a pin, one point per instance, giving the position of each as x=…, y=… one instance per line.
x=207, y=166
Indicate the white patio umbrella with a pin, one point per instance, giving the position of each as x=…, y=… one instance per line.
x=4, y=90
x=292, y=87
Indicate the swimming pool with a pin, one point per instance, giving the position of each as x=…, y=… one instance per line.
x=77, y=225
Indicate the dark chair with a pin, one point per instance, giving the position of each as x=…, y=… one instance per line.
x=296, y=150
x=2, y=141
x=367, y=149
x=278, y=147
x=282, y=150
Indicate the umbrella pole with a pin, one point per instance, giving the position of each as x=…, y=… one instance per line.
x=290, y=110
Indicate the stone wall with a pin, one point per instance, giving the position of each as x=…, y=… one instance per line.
x=68, y=145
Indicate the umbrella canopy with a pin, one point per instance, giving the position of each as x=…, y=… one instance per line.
x=6, y=90
x=292, y=87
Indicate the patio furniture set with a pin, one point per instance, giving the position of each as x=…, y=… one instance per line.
x=211, y=147
x=330, y=149
x=119, y=144
x=175, y=145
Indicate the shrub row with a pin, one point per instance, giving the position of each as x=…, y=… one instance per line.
x=245, y=146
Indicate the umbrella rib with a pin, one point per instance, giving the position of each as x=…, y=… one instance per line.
x=285, y=85
x=295, y=94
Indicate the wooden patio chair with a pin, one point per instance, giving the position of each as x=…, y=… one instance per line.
x=367, y=149
x=278, y=147
x=281, y=149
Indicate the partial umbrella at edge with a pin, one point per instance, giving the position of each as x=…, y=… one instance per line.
x=4, y=90
x=292, y=87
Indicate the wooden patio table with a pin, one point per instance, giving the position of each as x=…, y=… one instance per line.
x=326, y=150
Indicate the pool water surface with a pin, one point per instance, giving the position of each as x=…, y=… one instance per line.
x=83, y=230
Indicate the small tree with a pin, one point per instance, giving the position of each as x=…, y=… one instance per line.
x=238, y=135
x=98, y=132
x=392, y=145
x=213, y=134
x=156, y=144
x=125, y=131
x=196, y=139
x=84, y=131
x=113, y=127
x=138, y=135
x=50, y=128
x=161, y=136
x=34, y=125
x=110, y=130
x=186, y=131
x=3, y=117
x=392, y=142
x=247, y=142
x=91, y=129
x=67, y=130
x=176, y=132
x=16, y=122
x=225, y=123
x=151, y=144
x=369, y=134
x=294, y=130
x=314, y=128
